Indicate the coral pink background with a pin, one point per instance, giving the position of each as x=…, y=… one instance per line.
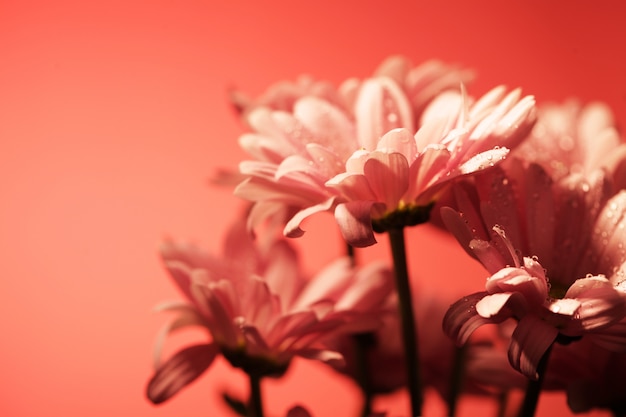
x=113, y=114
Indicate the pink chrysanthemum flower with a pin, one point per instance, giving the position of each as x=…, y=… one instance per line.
x=420, y=83
x=284, y=94
x=396, y=183
x=571, y=138
x=259, y=309
x=308, y=159
x=556, y=255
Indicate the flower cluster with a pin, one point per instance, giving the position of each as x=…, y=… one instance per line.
x=535, y=193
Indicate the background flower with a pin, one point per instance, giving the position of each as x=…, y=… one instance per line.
x=576, y=138
x=557, y=276
x=260, y=310
x=297, y=151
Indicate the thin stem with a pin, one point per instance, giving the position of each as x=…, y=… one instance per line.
x=456, y=380
x=255, y=404
x=529, y=406
x=362, y=344
x=407, y=319
x=351, y=254
x=503, y=398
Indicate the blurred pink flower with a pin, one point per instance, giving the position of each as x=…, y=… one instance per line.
x=313, y=158
x=484, y=363
x=284, y=94
x=421, y=84
x=259, y=309
x=574, y=138
x=556, y=257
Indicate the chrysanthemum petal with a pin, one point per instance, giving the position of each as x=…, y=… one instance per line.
x=355, y=222
x=600, y=303
x=380, y=107
x=179, y=371
x=462, y=319
x=400, y=141
x=292, y=228
x=502, y=305
x=530, y=340
x=388, y=176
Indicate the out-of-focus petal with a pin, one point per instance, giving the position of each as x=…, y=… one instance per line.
x=179, y=371
x=371, y=287
x=380, y=107
x=189, y=317
x=298, y=411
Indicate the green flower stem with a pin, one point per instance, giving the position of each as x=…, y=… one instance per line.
x=533, y=389
x=407, y=319
x=255, y=404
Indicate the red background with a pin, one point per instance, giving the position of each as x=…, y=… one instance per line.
x=114, y=114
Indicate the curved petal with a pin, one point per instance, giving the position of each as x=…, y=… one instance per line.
x=426, y=169
x=352, y=186
x=500, y=306
x=488, y=255
x=292, y=228
x=219, y=302
x=388, y=176
x=459, y=228
x=462, y=319
x=355, y=222
x=380, y=107
x=179, y=371
x=601, y=305
x=483, y=160
x=399, y=140
x=530, y=340
x=189, y=317
x=518, y=280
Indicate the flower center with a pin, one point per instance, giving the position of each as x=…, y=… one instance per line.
x=403, y=215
